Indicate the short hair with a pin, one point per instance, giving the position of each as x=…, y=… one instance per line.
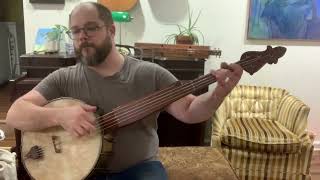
x=103, y=12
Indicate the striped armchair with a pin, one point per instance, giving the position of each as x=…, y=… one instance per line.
x=262, y=132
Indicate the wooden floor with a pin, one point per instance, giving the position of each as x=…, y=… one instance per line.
x=315, y=165
x=5, y=104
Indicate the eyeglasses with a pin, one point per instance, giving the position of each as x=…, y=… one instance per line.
x=89, y=30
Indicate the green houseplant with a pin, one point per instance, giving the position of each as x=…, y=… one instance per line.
x=54, y=38
x=187, y=34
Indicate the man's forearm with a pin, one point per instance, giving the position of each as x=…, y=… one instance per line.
x=203, y=107
x=24, y=115
x=192, y=109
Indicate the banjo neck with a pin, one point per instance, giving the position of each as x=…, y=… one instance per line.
x=136, y=110
x=250, y=61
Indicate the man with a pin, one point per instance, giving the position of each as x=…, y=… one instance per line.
x=106, y=79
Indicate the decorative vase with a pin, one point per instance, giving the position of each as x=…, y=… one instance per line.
x=52, y=46
x=182, y=39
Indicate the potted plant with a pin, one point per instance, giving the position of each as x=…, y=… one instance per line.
x=187, y=34
x=54, y=38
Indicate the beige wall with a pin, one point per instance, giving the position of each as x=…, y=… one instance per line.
x=223, y=23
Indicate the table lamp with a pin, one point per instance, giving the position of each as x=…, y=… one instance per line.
x=121, y=17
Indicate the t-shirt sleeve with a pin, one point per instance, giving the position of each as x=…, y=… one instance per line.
x=50, y=87
x=164, y=78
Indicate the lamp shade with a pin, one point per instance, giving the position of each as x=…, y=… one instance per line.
x=120, y=16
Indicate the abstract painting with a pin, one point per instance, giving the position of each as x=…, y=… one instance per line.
x=284, y=19
x=40, y=40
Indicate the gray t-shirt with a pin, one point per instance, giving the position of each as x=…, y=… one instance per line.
x=134, y=143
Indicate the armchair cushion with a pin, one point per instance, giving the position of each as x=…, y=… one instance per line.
x=254, y=102
x=259, y=135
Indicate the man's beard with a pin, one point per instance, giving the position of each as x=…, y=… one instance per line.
x=100, y=54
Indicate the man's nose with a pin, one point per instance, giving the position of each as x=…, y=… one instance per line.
x=83, y=35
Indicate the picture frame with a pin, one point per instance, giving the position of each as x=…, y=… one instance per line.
x=40, y=40
x=48, y=1
x=288, y=20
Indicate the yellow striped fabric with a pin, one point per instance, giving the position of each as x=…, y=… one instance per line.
x=256, y=165
x=259, y=135
x=252, y=101
x=293, y=114
x=262, y=132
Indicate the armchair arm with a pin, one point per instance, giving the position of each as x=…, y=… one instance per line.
x=305, y=138
x=293, y=114
x=218, y=119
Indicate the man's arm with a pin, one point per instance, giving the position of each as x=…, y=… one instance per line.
x=27, y=113
x=194, y=109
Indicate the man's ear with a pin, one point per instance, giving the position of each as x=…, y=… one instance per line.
x=112, y=29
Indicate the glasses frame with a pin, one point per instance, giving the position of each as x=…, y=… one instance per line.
x=85, y=31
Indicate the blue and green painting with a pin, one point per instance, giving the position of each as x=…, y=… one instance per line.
x=41, y=39
x=284, y=19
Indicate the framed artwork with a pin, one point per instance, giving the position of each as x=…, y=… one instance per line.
x=40, y=40
x=48, y=1
x=284, y=19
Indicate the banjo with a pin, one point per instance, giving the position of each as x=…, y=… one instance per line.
x=52, y=153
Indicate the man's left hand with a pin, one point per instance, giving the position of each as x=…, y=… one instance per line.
x=227, y=77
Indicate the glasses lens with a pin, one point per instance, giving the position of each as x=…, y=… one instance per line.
x=89, y=30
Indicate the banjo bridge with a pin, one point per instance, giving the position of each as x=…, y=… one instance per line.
x=56, y=141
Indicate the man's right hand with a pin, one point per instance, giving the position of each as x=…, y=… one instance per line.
x=78, y=120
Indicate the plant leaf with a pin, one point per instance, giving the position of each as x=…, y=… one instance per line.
x=197, y=30
x=189, y=30
x=169, y=38
x=194, y=23
x=189, y=20
x=56, y=31
x=181, y=28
